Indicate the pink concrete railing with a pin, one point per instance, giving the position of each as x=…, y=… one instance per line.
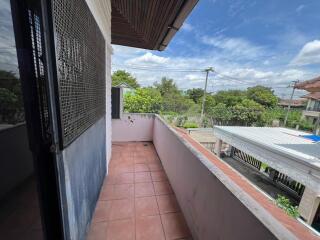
x=214, y=205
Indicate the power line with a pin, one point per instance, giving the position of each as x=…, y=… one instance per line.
x=158, y=68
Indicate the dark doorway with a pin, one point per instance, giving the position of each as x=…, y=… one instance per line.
x=20, y=216
x=29, y=200
x=316, y=220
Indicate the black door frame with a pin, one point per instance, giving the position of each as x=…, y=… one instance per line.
x=43, y=142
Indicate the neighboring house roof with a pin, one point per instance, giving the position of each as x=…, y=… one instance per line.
x=289, y=151
x=294, y=102
x=313, y=95
x=149, y=24
x=312, y=85
x=122, y=85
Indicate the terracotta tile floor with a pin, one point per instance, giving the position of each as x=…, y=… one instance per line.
x=137, y=201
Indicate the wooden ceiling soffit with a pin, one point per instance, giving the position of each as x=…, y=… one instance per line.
x=148, y=24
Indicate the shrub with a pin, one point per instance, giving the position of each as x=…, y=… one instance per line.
x=285, y=204
x=181, y=120
x=190, y=125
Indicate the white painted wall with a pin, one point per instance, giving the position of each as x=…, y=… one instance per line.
x=101, y=10
x=133, y=127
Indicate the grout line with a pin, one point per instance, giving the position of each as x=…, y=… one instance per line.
x=134, y=201
x=159, y=209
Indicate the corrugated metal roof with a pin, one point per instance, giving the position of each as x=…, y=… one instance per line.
x=287, y=141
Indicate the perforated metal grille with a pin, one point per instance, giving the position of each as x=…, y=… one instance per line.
x=80, y=56
x=39, y=74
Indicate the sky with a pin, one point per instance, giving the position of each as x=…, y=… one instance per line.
x=247, y=43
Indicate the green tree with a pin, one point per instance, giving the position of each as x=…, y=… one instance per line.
x=166, y=87
x=195, y=94
x=210, y=103
x=8, y=105
x=173, y=98
x=247, y=112
x=263, y=95
x=230, y=97
x=143, y=100
x=220, y=114
x=121, y=76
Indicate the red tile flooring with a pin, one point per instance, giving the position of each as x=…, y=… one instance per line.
x=137, y=201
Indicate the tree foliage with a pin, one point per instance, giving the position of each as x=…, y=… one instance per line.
x=256, y=106
x=196, y=94
x=11, y=105
x=121, y=76
x=166, y=87
x=230, y=97
x=143, y=100
x=262, y=95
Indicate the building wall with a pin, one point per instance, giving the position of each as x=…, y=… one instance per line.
x=133, y=127
x=16, y=158
x=211, y=210
x=101, y=10
x=85, y=159
x=84, y=163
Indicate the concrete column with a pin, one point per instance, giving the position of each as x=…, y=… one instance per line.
x=309, y=205
x=217, y=147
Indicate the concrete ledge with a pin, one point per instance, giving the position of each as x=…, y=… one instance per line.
x=215, y=204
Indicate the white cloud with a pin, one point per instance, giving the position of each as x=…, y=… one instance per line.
x=148, y=58
x=237, y=74
x=187, y=27
x=309, y=54
x=235, y=47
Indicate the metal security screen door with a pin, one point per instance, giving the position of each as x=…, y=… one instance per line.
x=80, y=66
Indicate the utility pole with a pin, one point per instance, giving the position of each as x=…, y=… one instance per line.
x=210, y=69
x=290, y=102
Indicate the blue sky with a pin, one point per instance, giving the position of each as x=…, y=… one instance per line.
x=247, y=42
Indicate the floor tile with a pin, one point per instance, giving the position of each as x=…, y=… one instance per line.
x=174, y=226
x=122, y=209
x=106, y=192
x=138, y=200
x=159, y=176
x=141, y=167
x=121, y=230
x=138, y=159
x=155, y=166
x=162, y=188
x=98, y=231
x=146, y=206
x=144, y=189
x=124, y=178
x=167, y=203
x=110, y=179
x=122, y=191
x=102, y=211
x=142, y=177
x=149, y=228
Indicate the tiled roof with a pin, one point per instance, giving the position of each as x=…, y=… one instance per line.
x=314, y=95
x=294, y=102
x=312, y=85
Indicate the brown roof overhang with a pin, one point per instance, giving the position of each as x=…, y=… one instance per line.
x=148, y=24
x=313, y=95
x=312, y=85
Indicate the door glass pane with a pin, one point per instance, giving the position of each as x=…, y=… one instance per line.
x=19, y=205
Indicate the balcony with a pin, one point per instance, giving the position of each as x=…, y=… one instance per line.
x=162, y=184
